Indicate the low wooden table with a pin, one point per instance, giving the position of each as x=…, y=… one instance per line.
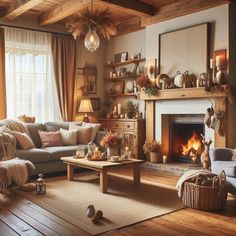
x=103, y=167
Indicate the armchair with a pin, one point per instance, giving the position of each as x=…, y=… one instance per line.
x=221, y=159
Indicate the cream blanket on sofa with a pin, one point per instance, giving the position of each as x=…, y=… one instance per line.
x=14, y=171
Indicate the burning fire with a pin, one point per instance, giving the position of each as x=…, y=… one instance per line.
x=193, y=146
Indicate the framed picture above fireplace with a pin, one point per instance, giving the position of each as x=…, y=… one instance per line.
x=184, y=50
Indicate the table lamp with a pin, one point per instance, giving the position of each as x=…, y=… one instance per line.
x=86, y=107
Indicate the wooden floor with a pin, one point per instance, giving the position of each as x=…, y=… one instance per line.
x=19, y=216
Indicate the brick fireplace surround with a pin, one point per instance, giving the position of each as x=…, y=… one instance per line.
x=188, y=101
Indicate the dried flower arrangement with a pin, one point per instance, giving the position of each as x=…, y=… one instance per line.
x=144, y=82
x=111, y=140
x=152, y=146
x=100, y=20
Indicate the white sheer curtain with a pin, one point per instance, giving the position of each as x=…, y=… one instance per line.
x=30, y=81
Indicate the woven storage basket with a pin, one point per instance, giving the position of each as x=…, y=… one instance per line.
x=207, y=198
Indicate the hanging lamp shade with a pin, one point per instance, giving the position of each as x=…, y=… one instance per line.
x=91, y=40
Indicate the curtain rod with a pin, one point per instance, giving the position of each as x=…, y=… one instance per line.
x=38, y=30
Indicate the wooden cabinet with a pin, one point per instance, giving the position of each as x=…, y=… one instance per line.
x=132, y=131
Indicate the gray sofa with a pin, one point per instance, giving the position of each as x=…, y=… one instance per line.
x=221, y=159
x=47, y=160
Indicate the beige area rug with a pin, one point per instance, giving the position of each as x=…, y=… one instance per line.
x=123, y=205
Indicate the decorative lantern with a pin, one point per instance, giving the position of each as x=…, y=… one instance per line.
x=40, y=185
x=91, y=148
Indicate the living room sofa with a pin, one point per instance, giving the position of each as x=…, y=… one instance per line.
x=222, y=159
x=47, y=159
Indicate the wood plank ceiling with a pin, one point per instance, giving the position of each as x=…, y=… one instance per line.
x=130, y=15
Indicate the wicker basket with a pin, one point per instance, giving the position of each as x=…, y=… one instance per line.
x=207, y=198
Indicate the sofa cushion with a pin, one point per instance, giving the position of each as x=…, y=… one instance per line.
x=23, y=140
x=95, y=127
x=33, y=129
x=69, y=137
x=58, y=152
x=228, y=166
x=83, y=133
x=55, y=126
x=35, y=155
x=50, y=139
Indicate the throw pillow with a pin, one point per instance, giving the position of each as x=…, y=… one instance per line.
x=69, y=137
x=95, y=127
x=234, y=155
x=50, y=139
x=23, y=140
x=83, y=133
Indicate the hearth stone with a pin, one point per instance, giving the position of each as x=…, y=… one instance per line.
x=173, y=168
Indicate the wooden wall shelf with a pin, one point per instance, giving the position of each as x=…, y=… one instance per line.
x=126, y=62
x=133, y=76
x=186, y=93
x=122, y=95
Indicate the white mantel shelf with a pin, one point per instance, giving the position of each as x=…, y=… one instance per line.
x=187, y=93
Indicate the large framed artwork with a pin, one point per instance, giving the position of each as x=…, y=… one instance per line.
x=184, y=50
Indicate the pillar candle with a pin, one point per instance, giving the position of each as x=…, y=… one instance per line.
x=164, y=159
x=211, y=63
x=219, y=61
x=119, y=108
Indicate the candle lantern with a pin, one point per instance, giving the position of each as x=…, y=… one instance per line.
x=91, y=147
x=40, y=185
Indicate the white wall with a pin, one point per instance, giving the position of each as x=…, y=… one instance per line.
x=218, y=17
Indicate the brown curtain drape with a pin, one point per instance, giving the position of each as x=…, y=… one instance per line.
x=3, y=106
x=64, y=60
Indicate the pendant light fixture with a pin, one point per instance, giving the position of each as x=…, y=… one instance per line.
x=91, y=40
x=89, y=23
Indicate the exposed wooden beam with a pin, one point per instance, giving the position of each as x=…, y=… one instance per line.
x=20, y=7
x=62, y=11
x=134, y=7
x=181, y=8
x=128, y=26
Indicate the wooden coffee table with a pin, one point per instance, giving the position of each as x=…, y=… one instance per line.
x=103, y=167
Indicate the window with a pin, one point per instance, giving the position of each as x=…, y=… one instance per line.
x=30, y=83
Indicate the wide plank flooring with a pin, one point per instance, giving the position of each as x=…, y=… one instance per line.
x=19, y=216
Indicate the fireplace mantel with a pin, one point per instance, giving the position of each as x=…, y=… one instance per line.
x=219, y=94
x=187, y=93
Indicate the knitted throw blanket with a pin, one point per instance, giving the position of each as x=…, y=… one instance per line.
x=7, y=145
x=14, y=171
x=15, y=125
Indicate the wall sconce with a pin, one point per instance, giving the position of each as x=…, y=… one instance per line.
x=220, y=65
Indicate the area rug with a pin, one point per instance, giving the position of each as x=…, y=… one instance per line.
x=123, y=205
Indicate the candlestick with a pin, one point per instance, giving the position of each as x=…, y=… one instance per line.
x=119, y=108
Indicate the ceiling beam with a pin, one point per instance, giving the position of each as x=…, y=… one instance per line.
x=20, y=7
x=128, y=26
x=134, y=7
x=62, y=11
x=181, y=8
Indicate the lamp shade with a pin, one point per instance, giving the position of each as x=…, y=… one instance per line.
x=85, y=105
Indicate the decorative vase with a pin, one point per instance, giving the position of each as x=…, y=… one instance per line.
x=112, y=151
x=155, y=157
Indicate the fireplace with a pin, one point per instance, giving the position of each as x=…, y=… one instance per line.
x=185, y=137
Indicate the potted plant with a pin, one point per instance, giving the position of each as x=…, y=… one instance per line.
x=154, y=148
